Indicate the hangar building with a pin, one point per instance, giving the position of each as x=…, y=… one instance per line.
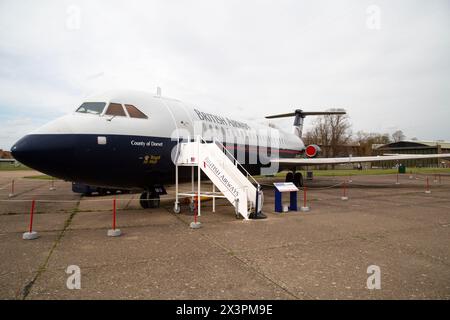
x=415, y=147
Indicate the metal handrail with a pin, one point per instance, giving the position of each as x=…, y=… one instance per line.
x=235, y=161
x=200, y=139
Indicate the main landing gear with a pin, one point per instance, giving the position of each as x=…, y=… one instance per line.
x=296, y=178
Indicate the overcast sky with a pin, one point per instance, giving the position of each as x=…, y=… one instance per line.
x=386, y=62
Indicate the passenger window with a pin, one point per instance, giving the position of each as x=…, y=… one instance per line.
x=92, y=107
x=115, y=109
x=135, y=112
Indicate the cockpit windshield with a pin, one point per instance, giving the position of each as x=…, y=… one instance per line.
x=92, y=107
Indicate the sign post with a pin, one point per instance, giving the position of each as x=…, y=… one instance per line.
x=281, y=187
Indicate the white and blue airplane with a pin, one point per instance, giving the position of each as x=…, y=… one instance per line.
x=124, y=140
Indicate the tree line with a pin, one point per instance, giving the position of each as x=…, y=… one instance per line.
x=334, y=134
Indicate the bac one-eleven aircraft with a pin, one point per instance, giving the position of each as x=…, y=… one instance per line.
x=125, y=140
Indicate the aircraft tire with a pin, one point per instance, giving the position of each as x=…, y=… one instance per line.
x=143, y=200
x=289, y=177
x=154, y=200
x=298, y=179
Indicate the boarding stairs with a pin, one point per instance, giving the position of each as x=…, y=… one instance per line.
x=224, y=171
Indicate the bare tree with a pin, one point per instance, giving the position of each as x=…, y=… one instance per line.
x=332, y=132
x=366, y=140
x=398, y=136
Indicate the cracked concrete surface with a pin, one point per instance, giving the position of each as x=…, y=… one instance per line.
x=323, y=254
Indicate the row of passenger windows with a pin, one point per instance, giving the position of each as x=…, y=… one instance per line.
x=114, y=109
x=229, y=132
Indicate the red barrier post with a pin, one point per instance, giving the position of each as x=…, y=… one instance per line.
x=114, y=214
x=12, y=189
x=304, y=196
x=305, y=208
x=114, y=232
x=196, y=224
x=33, y=203
x=195, y=209
x=52, y=185
x=344, y=192
x=428, y=186
x=30, y=235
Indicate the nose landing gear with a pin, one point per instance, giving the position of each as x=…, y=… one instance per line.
x=149, y=200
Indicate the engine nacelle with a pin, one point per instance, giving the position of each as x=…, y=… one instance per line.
x=312, y=150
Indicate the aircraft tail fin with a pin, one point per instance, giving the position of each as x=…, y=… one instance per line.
x=300, y=116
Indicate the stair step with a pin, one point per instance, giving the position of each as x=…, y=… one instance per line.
x=222, y=171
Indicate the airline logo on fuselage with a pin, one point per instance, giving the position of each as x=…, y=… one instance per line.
x=220, y=120
x=219, y=174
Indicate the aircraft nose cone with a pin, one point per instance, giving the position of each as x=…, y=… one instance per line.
x=21, y=151
x=50, y=154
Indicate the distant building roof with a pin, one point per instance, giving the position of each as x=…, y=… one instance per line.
x=377, y=145
x=5, y=154
x=414, y=143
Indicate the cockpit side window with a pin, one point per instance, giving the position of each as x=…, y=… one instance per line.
x=92, y=107
x=135, y=112
x=115, y=109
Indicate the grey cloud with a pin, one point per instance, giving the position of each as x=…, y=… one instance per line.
x=261, y=56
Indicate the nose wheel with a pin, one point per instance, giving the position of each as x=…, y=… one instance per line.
x=149, y=200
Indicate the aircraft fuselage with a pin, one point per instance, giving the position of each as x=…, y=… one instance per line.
x=98, y=148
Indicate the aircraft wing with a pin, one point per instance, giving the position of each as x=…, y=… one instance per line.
x=391, y=157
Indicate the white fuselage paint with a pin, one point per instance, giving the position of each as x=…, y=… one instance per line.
x=168, y=118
